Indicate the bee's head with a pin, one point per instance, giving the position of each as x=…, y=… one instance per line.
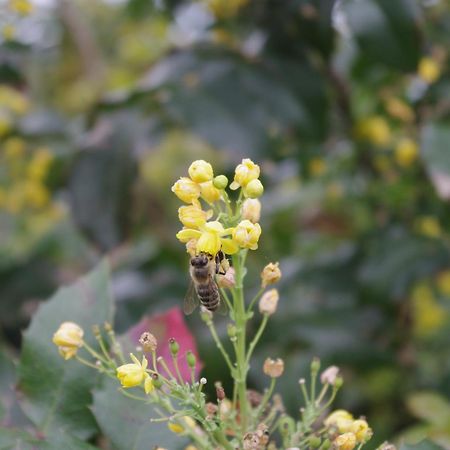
x=200, y=260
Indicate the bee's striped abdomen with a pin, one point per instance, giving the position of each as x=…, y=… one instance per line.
x=209, y=295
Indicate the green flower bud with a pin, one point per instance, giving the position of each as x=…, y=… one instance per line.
x=231, y=329
x=315, y=366
x=338, y=382
x=174, y=347
x=254, y=189
x=156, y=381
x=191, y=359
x=326, y=444
x=220, y=182
x=314, y=441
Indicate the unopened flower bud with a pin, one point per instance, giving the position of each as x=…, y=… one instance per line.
x=200, y=171
x=273, y=368
x=108, y=327
x=346, y=441
x=211, y=409
x=220, y=182
x=314, y=441
x=96, y=330
x=361, y=430
x=186, y=190
x=326, y=444
x=175, y=427
x=191, y=359
x=329, y=375
x=228, y=280
x=156, y=381
x=270, y=274
x=68, y=338
x=174, y=347
x=254, y=189
x=220, y=393
x=269, y=302
x=203, y=380
x=148, y=342
x=251, y=210
x=315, y=365
x=338, y=382
x=231, y=330
x=206, y=315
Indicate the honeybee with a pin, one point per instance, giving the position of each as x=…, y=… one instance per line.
x=203, y=289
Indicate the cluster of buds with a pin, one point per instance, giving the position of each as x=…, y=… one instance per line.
x=229, y=232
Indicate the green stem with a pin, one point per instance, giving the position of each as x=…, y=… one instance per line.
x=256, y=338
x=255, y=298
x=219, y=345
x=266, y=398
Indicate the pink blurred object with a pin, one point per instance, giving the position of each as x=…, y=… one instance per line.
x=164, y=326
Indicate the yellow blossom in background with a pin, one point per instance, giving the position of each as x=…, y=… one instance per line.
x=443, y=282
x=210, y=238
x=13, y=100
x=40, y=163
x=23, y=7
x=8, y=32
x=360, y=428
x=209, y=193
x=247, y=234
x=5, y=124
x=317, y=167
x=186, y=190
x=68, y=338
x=36, y=194
x=346, y=441
x=375, y=129
x=429, y=70
x=201, y=171
x=14, y=148
x=244, y=173
x=223, y=9
x=193, y=216
x=133, y=374
x=406, y=152
x=340, y=419
x=175, y=427
x=399, y=109
x=429, y=226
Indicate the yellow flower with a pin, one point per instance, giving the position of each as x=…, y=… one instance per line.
x=317, y=167
x=429, y=226
x=210, y=193
x=223, y=9
x=346, y=441
x=8, y=32
x=40, y=164
x=68, y=338
x=251, y=210
x=399, y=109
x=14, y=148
x=36, y=194
x=247, y=234
x=210, y=238
x=193, y=216
x=244, y=173
x=254, y=189
x=175, y=427
x=186, y=190
x=360, y=428
x=406, y=152
x=340, y=419
x=5, y=124
x=134, y=374
x=201, y=171
x=375, y=129
x=23, y=7
x=429, y=70
x=443, y=282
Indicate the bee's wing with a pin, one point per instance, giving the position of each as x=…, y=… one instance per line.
x=190, y=300
x=223, y=308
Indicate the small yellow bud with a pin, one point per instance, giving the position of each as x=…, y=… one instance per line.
x=175, y=427
x=210, y=193
x=132, y=374
x=273, y=368
x=340, y=419
x=192, y=216
x=148, y=384
x=429, y=70
x=247, y=234
x=271, y=274
x=186, y=190
x=254, y=189
x=201, y=171
x=361, y=430
x=406, y=152
x=328, y=376
x=220, y=182
x=244, y=173
x=68, y=338
x=269, y=302
x=346, y=441
x=376, y=130
x=251, y=210
x=148, y=342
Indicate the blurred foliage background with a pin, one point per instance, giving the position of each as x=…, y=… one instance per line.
x=344, y=104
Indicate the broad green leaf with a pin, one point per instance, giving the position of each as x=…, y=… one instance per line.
x=126, y=422
x=386, y=31
x=55, y=394
x=435, y=139
x=430, y=406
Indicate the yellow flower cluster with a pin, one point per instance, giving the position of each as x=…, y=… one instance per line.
x=351, y=432
x=202, y=235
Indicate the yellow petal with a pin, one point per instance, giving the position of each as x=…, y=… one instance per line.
x=229, y=246
x=148, y=385
x=187, y=234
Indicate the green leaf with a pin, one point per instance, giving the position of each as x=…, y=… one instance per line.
x=386, y=31
x=55, y=394
x=430, y=406
x=126, y=422
x=435, y=139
